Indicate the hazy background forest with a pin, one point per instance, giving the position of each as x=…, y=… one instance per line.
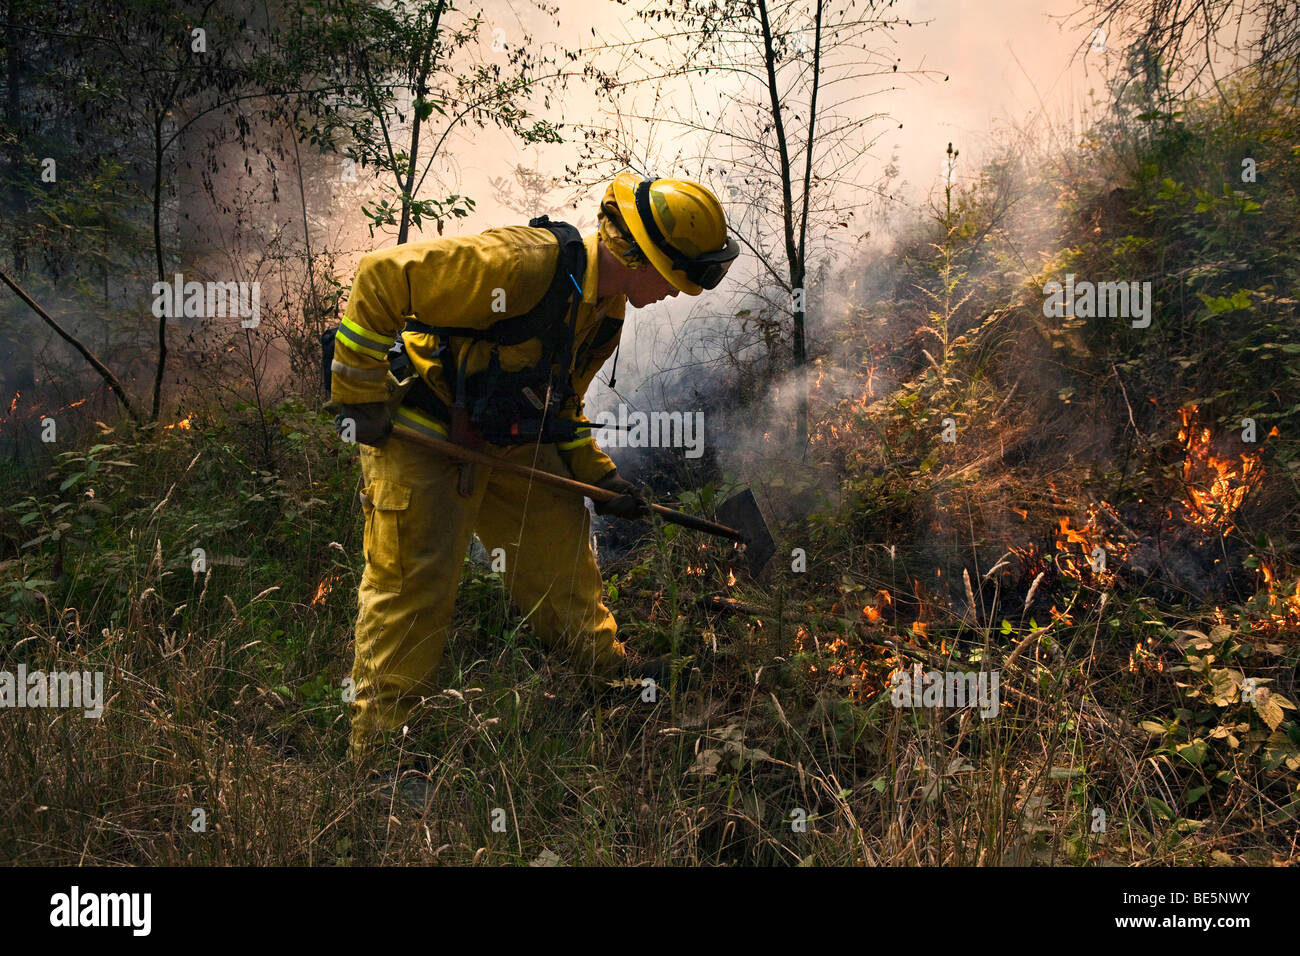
x=1102, y=509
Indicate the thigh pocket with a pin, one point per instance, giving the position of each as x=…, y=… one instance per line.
x=383, y=502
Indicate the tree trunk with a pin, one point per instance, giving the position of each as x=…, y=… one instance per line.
x=158, y=254
x=21, y=374
x=800, y=341
x=420, y=91
x=15, y=205
x=792, y=251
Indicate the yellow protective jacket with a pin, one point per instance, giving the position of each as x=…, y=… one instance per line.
x=457, y=282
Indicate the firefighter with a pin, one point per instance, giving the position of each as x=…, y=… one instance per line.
x=502, y=333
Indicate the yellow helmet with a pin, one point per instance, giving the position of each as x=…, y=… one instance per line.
x=680, y=227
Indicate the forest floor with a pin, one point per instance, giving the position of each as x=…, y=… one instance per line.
x=1098, y=514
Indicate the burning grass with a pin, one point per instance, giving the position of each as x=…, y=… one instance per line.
x=1215, y=486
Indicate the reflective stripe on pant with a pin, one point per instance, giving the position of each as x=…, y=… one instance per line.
x=416, y=534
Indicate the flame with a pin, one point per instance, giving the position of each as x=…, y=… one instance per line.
x=1282, y=604
x=1214, y=487
x=14, y=404
x=875, y=612
x=1071, y=535
x=324, y=588
x=857, y=658
x=731, y=578
x=1142, y=659
x=183, y=424
x=1083, y=564
x=864, y=669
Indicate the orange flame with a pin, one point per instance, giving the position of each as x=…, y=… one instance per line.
x=1283, y=607
x=323, y=589
x=1214, y=487
x=875, y=612
x=1089, y=538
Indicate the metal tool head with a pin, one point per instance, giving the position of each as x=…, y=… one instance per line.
x=741, y=512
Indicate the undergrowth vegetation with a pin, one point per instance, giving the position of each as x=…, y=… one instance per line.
x=1075, y=504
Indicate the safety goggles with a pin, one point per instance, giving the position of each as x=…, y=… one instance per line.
x=706, y=270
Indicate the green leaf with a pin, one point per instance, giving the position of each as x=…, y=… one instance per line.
x=1160, y=808
x=1064, y=773
x=1194, y=751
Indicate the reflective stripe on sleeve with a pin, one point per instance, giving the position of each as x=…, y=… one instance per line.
x=355, y=337
x=361, y=374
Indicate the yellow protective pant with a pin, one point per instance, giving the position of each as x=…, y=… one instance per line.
x=417, y=531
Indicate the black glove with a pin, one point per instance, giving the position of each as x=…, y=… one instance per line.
x=629, y=504
x=370, y=423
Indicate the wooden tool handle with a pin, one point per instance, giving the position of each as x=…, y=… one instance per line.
x=593, y=492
